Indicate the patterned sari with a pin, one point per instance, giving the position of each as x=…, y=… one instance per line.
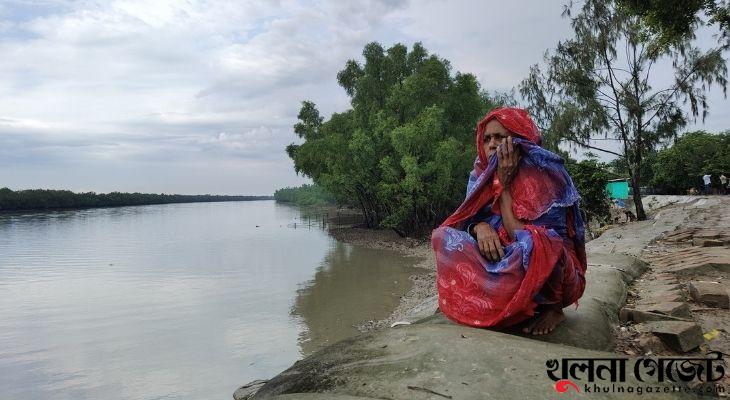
x=546, y=261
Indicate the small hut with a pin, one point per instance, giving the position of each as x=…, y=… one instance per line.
x=618, y=188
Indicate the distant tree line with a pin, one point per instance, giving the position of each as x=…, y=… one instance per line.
x=42, y=199
x=681, y=166
x=305, y=195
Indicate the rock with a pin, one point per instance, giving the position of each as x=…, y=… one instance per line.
x=707, y=242
x=650, y=343
x=634, y=315
x=624, y=315
x=248, y=390
x=678, y=335
x=662, y=296
x=708, y=234
x=693, y=260
x=673, y=308
x=662, y=286
x=712, y=294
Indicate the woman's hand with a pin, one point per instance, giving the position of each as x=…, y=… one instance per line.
x=508, y=161
x=488, y=241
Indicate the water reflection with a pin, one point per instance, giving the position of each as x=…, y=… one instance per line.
x=352, y=285
x=183, y=301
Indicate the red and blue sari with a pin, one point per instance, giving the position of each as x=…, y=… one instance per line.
x=545, y=263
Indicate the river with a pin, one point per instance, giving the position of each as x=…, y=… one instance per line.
x=177, y=301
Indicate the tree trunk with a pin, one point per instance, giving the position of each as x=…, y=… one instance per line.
x=364, y=211
x=640, y=214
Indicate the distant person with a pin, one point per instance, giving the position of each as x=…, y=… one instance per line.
x=723, y=184
x=707, y=178
x=516, y=245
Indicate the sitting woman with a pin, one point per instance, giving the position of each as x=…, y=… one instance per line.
x=515, y=247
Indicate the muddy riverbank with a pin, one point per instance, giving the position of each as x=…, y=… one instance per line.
x=424, y=282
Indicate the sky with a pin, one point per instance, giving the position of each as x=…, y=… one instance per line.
x=195, y=97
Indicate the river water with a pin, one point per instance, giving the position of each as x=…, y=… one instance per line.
x=178, y=301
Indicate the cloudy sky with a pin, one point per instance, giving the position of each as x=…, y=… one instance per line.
x=190, y=96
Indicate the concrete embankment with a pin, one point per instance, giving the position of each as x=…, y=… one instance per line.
x=434, y=358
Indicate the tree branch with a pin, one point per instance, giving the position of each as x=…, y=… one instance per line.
x=674, y=91
x=595, y=148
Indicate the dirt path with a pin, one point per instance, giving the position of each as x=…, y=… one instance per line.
x=686, y=286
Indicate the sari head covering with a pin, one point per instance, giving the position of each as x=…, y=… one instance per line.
x=515, y=120
x=544, y=263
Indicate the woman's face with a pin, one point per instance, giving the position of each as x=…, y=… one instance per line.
x=494, y=135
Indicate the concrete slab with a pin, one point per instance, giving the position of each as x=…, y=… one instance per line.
x=633, y=315
x=682, y=336
x=692, y=261
x=671, y=308
x=660, y=296
x=454, y=361
x=713, y=294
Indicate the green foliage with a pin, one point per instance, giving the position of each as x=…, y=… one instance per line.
x=41, y=199
x=681, y=166
x=305, y=195
x=620, y=169
x=600, y=84
x=590, y=177
x=403, y=152
x=677, y=19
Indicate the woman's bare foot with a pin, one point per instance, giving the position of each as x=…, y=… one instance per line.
x=546, y=321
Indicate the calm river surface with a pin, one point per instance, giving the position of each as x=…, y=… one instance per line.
x=179, y=301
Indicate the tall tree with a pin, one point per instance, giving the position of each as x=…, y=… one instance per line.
x=600, y=84
x=403, y=152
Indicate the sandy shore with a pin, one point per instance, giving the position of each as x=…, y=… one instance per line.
x=424, y=282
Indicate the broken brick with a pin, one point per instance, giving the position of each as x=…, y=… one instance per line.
x=712, y=294
x=678, y=335
x=672, y=308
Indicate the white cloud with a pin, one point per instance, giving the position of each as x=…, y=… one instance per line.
x=198, y=87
